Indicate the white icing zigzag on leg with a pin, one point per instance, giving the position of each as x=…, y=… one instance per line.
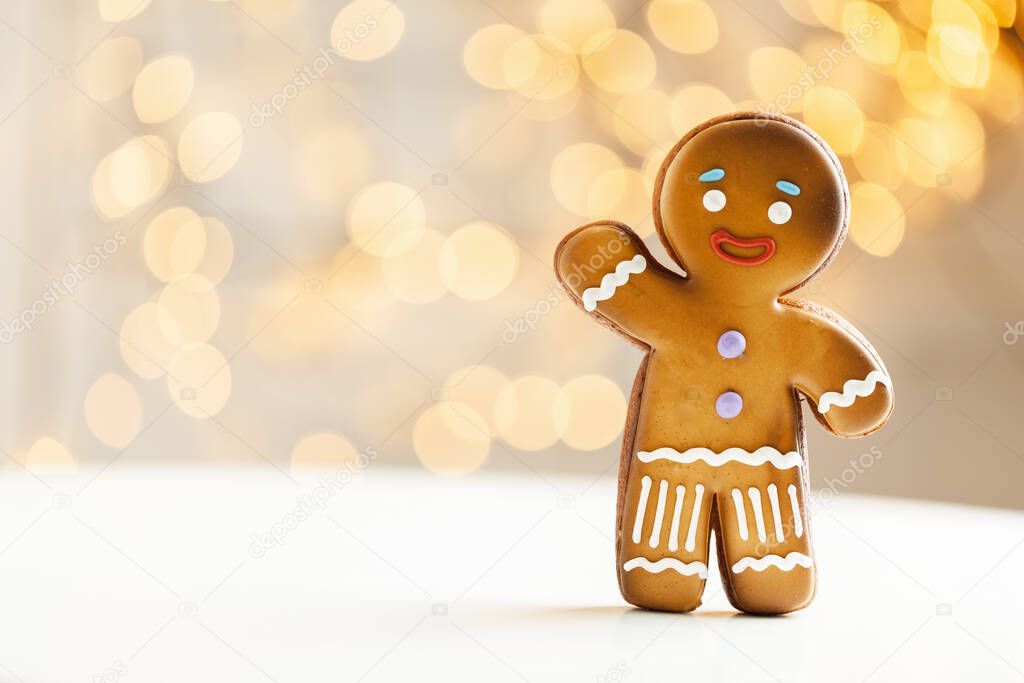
x=684, y=568
x=612, y=281
x=786, y=564
x=852, y=390
x=765, y=454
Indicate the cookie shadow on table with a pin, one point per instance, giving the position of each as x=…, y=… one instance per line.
x=626, y=614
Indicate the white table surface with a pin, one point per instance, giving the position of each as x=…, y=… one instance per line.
x=146, y=575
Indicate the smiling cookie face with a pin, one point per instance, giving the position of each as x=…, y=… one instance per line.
x=753, y=204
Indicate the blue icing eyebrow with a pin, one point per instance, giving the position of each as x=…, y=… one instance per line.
x=788, y=187
x=711, y=175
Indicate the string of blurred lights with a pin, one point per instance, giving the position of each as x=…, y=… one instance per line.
x=955, y=64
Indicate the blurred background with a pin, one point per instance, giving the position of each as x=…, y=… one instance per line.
x=281, y=233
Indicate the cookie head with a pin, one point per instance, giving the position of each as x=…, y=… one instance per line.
x=757, y=205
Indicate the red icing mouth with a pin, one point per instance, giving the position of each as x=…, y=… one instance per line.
x=723, y=236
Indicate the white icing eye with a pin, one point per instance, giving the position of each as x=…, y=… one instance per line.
x=714, y=200
x=780, y=212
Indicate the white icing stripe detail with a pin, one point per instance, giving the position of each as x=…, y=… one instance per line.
x=786, y=564
x=673, y=534
x=755, y=502
x=691, y=535
x=798, y=522
x=659, y=514
x=852, y=390
x=612, y=281
x=641, y=508
x=765, y=454
x=773, y=497
x=741, y=513
x=684, y=568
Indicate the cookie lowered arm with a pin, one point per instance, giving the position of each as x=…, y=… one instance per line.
x=611, y=274
x=849, y=390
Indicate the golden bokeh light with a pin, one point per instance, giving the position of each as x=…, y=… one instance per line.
x=386, y=218
x=210, y=146
x=540, y=67
x=414, y=275
x=478, y=387
x=48, y=455
x=199, y=380
x=163, y=88
x=145, y=347
x=576, y=21
x=835, y=116
x=174, y=243
x=118, y=11
x=801, y=11
x=318, y=169
x=695, y=103
x=875, y=33
x=963, y=133
x=917, y=12
x=881, y=157
x=478, y=261
x=483, y=56
x=619, y=61
x=574, y=170
x=357, y=283
x=524, y=413
x=322, y=451
x=548, y=110
x=131, y=175
x=928, y=154
x=877, y=220
x=110, y=69
x=775, y=74
x=219, y=253
x=189, y=310
x=920, y=84
x=959, y=44
x=685, y=26
x=829, y=12
x=1004, y=96
x=620, y=194
x=1005, y=11
x=643, y=120
x=365, y=30
x=589, y=412
x=307, y=324
x=113, y=410
x=451, y=438
x=975, y=17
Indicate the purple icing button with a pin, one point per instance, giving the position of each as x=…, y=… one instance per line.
x=732, y=344
x=729, y=405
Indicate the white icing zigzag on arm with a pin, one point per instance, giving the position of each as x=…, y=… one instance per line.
x=852, y=390
x=786, y=564
x=684, y=568
x=764, y=454
x=612, y=281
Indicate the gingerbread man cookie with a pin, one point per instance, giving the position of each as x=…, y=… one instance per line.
x=751, y=208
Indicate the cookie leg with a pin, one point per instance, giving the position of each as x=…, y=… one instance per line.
x=763, y=543
x=663, y=548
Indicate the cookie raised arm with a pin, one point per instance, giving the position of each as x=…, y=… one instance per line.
x=609, y=271
x=837, y=369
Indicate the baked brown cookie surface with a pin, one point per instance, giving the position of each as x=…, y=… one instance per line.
x=750, y=207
